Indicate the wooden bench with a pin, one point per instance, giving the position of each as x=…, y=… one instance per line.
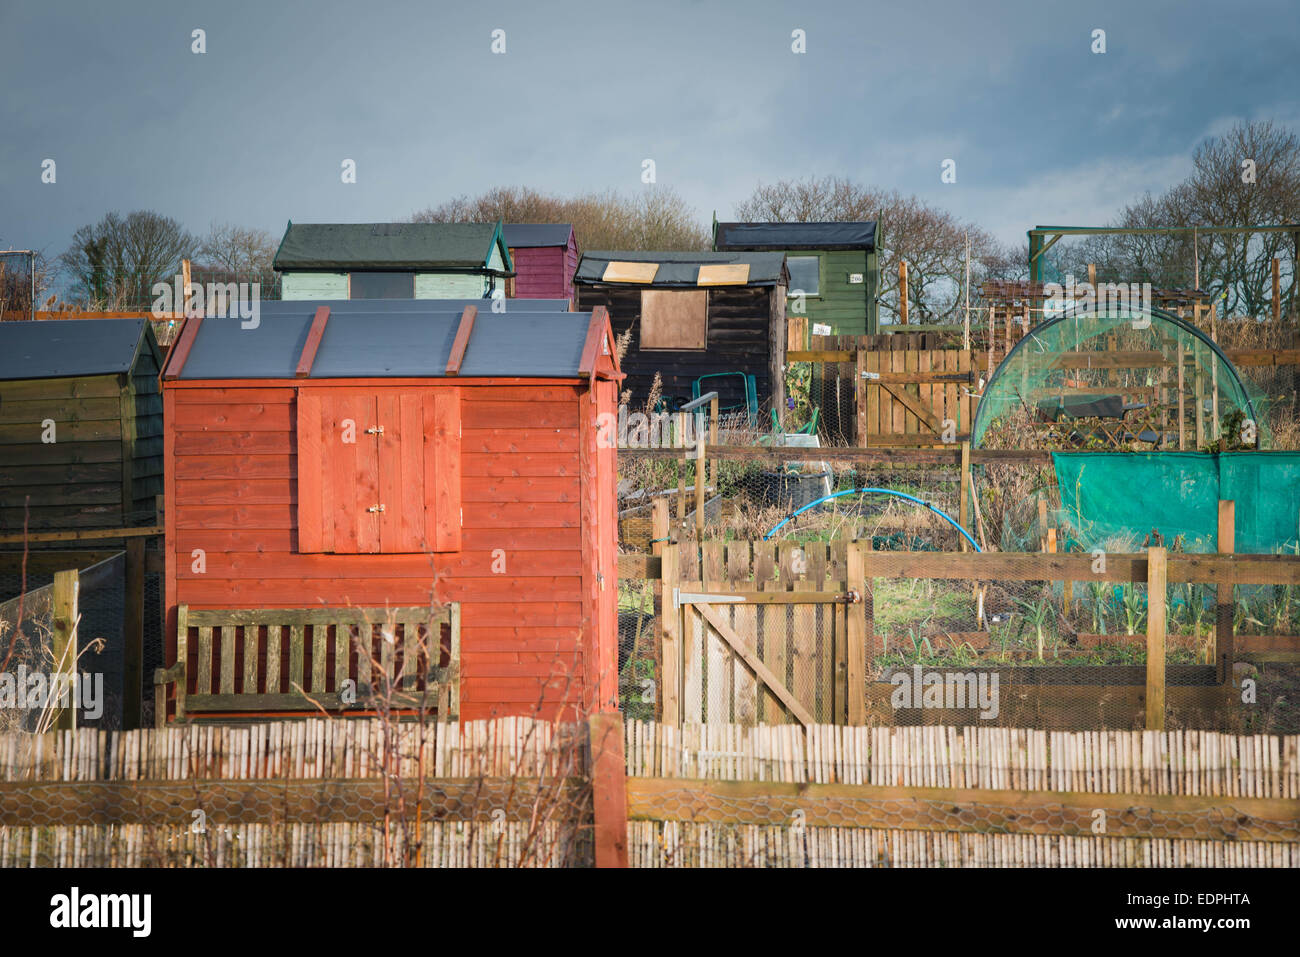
x=241, y=662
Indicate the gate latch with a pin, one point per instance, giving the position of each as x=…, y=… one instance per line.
x=852, y=598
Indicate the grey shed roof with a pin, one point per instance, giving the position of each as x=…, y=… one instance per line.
x=683, y=268
x=52, y=348
x=389, y=343
x=338, y=307
x=400, y=246
x=523, y=235
x=795, y=235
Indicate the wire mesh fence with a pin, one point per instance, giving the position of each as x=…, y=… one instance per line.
x=1011, y=650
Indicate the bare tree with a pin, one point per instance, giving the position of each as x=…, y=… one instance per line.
x=655, y=218
x=931, y=240
x=238, y=250
x=115, y=262
x=1249, y=176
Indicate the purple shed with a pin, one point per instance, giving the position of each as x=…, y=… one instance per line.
x=545, y=257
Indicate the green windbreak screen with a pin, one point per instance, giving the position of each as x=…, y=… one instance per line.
x=1113, y=501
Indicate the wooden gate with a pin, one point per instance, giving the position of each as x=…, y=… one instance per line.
x=748, y=642
x=892, y=390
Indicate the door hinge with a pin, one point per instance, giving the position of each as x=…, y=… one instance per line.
x=376, y=508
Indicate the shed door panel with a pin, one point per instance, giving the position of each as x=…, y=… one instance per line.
x=378, y=471
x=350, y=472
x=442, y=428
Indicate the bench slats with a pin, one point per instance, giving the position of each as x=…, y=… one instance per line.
x=204, y=680
x=228, y=634
x=342, y=654
x=318, y=635
x=297, y=642
x=251, y=642
x=227, y=659
x=273, y=635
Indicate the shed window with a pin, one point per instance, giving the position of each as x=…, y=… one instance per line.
x=674, y=318
x=805, y=274
x=382, y=285
x=378, y=470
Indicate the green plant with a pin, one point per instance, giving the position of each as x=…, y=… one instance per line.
x=1098, y=605
x=1133, y=605
x=1037, y=613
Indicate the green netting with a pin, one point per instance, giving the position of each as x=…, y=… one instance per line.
x=1119, y=378
x=1114, y=501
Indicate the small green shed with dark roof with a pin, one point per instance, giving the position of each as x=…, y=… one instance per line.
x=333, y=261
x=836, y=266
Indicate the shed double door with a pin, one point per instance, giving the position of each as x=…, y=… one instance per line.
x=378, y=470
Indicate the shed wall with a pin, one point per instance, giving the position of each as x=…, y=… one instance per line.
x=739, y=340
x=314, y=285
x=233, y=488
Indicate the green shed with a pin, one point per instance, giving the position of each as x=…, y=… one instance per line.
x=834, y=264
x=334, y=261
x=81, y=424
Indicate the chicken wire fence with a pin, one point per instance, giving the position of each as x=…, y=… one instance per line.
x=1050, y=654
x=101, y=642
x=747, y=498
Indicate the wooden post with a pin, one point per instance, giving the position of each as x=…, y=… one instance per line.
x=133, y=635
x=1092, y=277
x=963, y=515
x=1182, y=408
x=1223, y=594
x=1156, y=579
x=609, y=789
x=671, y=640
x=659, y=532
x=185, y=288
x=856, y=633
x=701, y=479
x=63, y=642
x=902, y=291
x=713, y=435
x=1042, y=521
x=860, y=396
x=1277, y=290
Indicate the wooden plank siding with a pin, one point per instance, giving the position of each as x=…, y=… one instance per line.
x=740, y=321
x=840, y=304
x=544, y=272
x=104, y=467
x=529, y=571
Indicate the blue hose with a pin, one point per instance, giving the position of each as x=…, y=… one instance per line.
x=881, y=491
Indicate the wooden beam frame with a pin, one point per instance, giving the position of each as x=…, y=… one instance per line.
x=310, y=347
x=461, y=343
x=181, y=351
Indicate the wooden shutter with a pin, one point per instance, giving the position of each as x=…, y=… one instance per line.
x=401, y=472
x=442, y=469
x=674, y=318
x=362, y=490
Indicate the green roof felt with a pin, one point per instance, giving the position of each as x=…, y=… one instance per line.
x=399, y=246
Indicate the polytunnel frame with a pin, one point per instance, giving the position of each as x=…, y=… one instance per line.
x=1077, y=313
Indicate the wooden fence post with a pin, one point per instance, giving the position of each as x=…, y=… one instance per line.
x=659, y=533
x=1157, y=576
x=63, y=643
x=855, y=572
x=701, y=479
x=860, y=396
x=670, y=640
x=133, y=634
x=1223, y=595
x=964, y=498
x=609, y=788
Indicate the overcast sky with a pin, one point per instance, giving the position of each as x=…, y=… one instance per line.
x=253, y=131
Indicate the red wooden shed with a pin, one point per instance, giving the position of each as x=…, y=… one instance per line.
x=395, y=459
x=545, y=256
